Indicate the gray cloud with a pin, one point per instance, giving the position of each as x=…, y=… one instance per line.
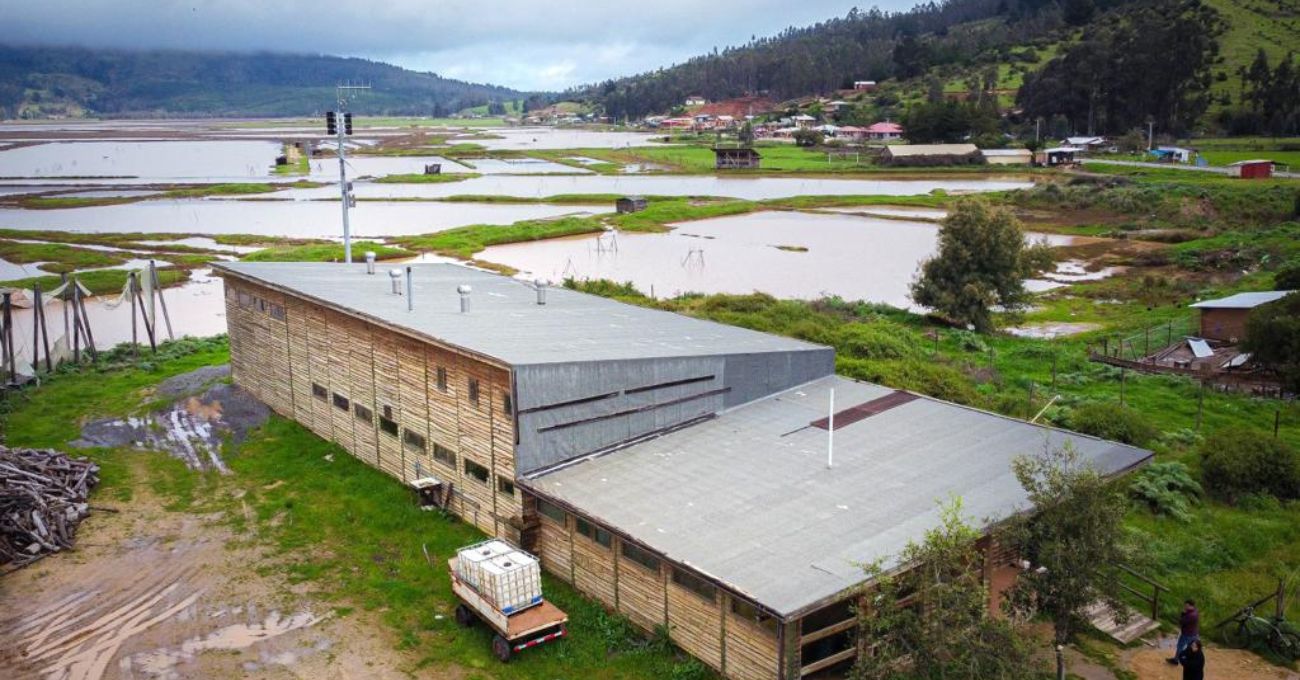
x=521, y=43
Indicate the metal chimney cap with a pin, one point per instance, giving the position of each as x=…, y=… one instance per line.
x=395, y=273
x=464, y=289
x=370, y=256
x=538, y=283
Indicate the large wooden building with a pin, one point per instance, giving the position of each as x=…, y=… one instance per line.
x=674, y=469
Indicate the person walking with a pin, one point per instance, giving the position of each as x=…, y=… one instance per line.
x=1193, y=661
x=1189, y=630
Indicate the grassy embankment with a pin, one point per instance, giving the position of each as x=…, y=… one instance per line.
x=301, y=167
x=441, y=178
x=347, y=533
x=196, y=191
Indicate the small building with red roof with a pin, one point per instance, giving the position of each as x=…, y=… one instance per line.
x=885, y=131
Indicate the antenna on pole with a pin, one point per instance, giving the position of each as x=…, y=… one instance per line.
x=340, y=125
x=830, y=433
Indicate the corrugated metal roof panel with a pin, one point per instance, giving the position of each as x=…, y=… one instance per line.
x=1244, y=300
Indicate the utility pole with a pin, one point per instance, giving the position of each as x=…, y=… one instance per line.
x=1151, y=133
x=341, y=129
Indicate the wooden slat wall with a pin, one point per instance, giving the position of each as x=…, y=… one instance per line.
x=299, y=364
x=509, y=506
x=259, y=346
x=414, y=398
x=318, y=352
x=475, y=435
x=593, y=569
x=751, y=652
x=388, y=394
x=237, y=329
x=641, y=593
x=361, y=374
x=555, y=549
x=276, y=356
x=695, y=624
x=444, y=411
x=340, y=359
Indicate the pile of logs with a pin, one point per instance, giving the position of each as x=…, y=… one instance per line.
x=42, y=499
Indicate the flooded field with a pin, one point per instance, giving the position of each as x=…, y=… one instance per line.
x=169, y=161
x=522, y=139
x=282, y=218
x=786, y=254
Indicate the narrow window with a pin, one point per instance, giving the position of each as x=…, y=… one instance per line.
x=444, y=454
x=749, y=612
x=473, y=391
x=442, y=379
x=505, y=486
x=507, y=404
x=594, y=532
x=341, y=402
x=261, y=305
x=476, y=471
x=694, y=584
x=363, y=413
x=277, y=312
x=386, y=422
x=320, y=392
x=553, y=512
x=642, y=557
x=413, y=440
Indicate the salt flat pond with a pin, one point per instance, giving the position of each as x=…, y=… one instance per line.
x=170, y=161
x=786, y=254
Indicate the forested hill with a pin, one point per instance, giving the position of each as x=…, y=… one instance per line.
x=45, y=81
x=869, y=45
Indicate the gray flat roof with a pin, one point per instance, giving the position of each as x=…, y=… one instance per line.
x=746, y=498
x=1244, y=300
x=505, y=322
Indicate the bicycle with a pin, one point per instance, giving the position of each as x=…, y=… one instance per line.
x=1251, y=630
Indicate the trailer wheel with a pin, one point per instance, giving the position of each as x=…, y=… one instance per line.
x=500, y=648
x=464, y=616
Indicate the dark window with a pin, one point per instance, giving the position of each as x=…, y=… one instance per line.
x=413, y=440
x=476, y=471
x=388, y=412
x=444, y=454
x=642, y=557
x=505, y=486
x=594, y=532
x=442, y=379
x=552, y=511
x=749, y=612
x=277, y=312
x=341, y=402
x=261, y=305
x=473, y=391
x=694, y=584
x=363, y=413
x=245, y=300
x=507, y=404
x=386, y=423
x=319, y=392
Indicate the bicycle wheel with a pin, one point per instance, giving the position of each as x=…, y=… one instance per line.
x=1235, y=634
x=1286, y=644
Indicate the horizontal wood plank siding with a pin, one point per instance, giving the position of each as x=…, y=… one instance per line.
x=751, y=648
x=555, y=549
x=641, y=593
x=695, y=624
x=593, y=569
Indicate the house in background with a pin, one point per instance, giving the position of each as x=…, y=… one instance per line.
x=884, y=131
x=1225, y=318
x=1058, y=156
x=864, y=85
x=1173, y=154
x=1007, y=156
x=927, y=155
x=803, y=121
x=1087, y=144
x=695, y=100
x=1254, y=169
x=736, y=158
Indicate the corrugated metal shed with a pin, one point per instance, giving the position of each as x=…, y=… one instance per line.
x=1244, y=300
x=904, y=150
x=746, y=498
x=505, y=322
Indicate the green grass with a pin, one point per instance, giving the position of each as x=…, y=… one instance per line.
x=58, y=257
x=324, y=252
x=100, y=281
x=302, y=167
x=63, y=202
x=1214, y=157
x=427, y=179
x=464, y=242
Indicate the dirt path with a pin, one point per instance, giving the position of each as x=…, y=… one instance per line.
x=1220, y=664
x=157, y=594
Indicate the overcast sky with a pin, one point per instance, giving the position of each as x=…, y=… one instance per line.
x=526, y=44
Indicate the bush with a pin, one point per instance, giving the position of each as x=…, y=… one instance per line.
x=1236, y=462
x=1287, y=278
x=1114, y=422
x=1166, y=489
x=880, y=340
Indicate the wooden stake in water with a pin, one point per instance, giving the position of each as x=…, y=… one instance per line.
x=162, y=299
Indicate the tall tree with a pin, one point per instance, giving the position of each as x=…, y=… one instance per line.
x=1075, y=534
x=931, y=620
x=1273, y=338
x=982, y=262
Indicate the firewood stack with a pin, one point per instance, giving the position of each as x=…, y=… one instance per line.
x=42, y=499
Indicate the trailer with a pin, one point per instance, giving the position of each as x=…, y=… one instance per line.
x=518, y=624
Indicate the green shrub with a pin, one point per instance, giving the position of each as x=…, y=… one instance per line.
x=1166, y=489
x=918, y=375
x=1239, y=461
x=1114, y=422
x=1287, y=278
x=970, y=342
x=880, y=340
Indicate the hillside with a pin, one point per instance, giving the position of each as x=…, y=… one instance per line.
x=44, y=82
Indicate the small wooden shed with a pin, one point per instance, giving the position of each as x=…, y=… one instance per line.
x=1254, y=169
x=1224, y=319
x=630, y=204
x=735, y=158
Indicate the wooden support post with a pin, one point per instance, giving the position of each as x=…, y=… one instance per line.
x=162, y=301
x=1122, y=374
x=85, y=320
x=135, y=339
x=76, y=326
x=148, y=327
x=36, y=328
x=7, y=328
x=1169, y=334
x=67, y=330
x=39, y=315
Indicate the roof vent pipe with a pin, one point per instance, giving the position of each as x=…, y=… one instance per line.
x=464, y=291
x=540, y=286
x=370, y=262
x=410, y=292
x=395, y=276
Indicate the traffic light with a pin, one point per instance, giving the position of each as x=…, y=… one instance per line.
x=331, y=123
x=347, y=123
